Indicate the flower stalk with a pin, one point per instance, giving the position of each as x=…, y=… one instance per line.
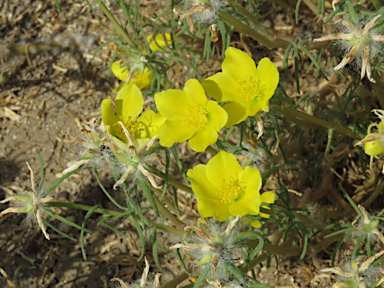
x=245, y=29
x=118, y=27
x=103, y=211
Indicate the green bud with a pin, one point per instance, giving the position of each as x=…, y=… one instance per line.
x=205, y=260
x=87, y=156
x=347, y=284
x=23, y=198
x=374, y=224
x=365, y=40
x=218, y=240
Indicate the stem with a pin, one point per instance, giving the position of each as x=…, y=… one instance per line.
x=163, y=227
x=176, y=281
x=118, y=27
x=164, y=197
x=254, y=262
x=171, y=181
x=313, y=122
x=170, y=204
x=245, y=29
x=258, y=26
x=211, y=150
x=163, y=210
x=373, y=196
x=311, y=6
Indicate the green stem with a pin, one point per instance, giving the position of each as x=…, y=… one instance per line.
x=296, y=251
x=118, y=27
x=258, y=26
x=211, y=150
x=163, y=210
x=245, y=29
x=256, y=261
x=61, y=179
x=176, y=281
x=171, y=181
x=103, y=211
x=313, y=122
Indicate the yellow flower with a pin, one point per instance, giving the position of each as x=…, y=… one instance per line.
x=374, y=142
x=190, y=116
x=131, y=135
x=268, y=198
x=161, y=41
x=247, y=89
x=142, y=78
x=224, y=188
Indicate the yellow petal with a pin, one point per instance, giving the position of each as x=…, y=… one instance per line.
x=121, y=85
x=200, y=183
x=196, y=91
x=174, y=131
x=268, y=75
x=238, y=64
x=209, y=207
x=129, y=102
x=142, y=78
x=375, y=147
x=269, y=198
x=152, y=121
x=119, y=71
x=249, y=204
x=217, y=115
x=202, y=139
x=236, y=114
x=173, y=104
x=107, y=113
x=222, y=87
x=159, y=44
x=255, y=223
x=223, y=166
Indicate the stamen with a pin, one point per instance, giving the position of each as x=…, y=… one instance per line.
x=197, y=117
x=230, y=192
x=251, y=90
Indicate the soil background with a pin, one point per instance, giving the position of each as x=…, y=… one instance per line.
x=46, y=94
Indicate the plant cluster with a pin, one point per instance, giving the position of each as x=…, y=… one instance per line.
x=236, y=118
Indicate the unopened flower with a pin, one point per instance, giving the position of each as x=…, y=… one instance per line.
x=224, y=188
x=368, y=224
x=374, y=141
x=362, y=43
x=190, y=116
x=201, y=11
x=212, y=245
x=30, y=201
x=358, y=275
x=143, y=282
x=136, y=74
x=245, y=88
x=130, y=135
x=92, y=139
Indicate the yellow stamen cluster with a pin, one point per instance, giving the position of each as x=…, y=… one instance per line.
x=230, y=191
x=134, y=128
x=197, y=117
x=251, y=90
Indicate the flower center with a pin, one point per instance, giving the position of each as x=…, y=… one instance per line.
x=251, y=90
x=197, y=117
x=134, y=128
x=230, y=191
